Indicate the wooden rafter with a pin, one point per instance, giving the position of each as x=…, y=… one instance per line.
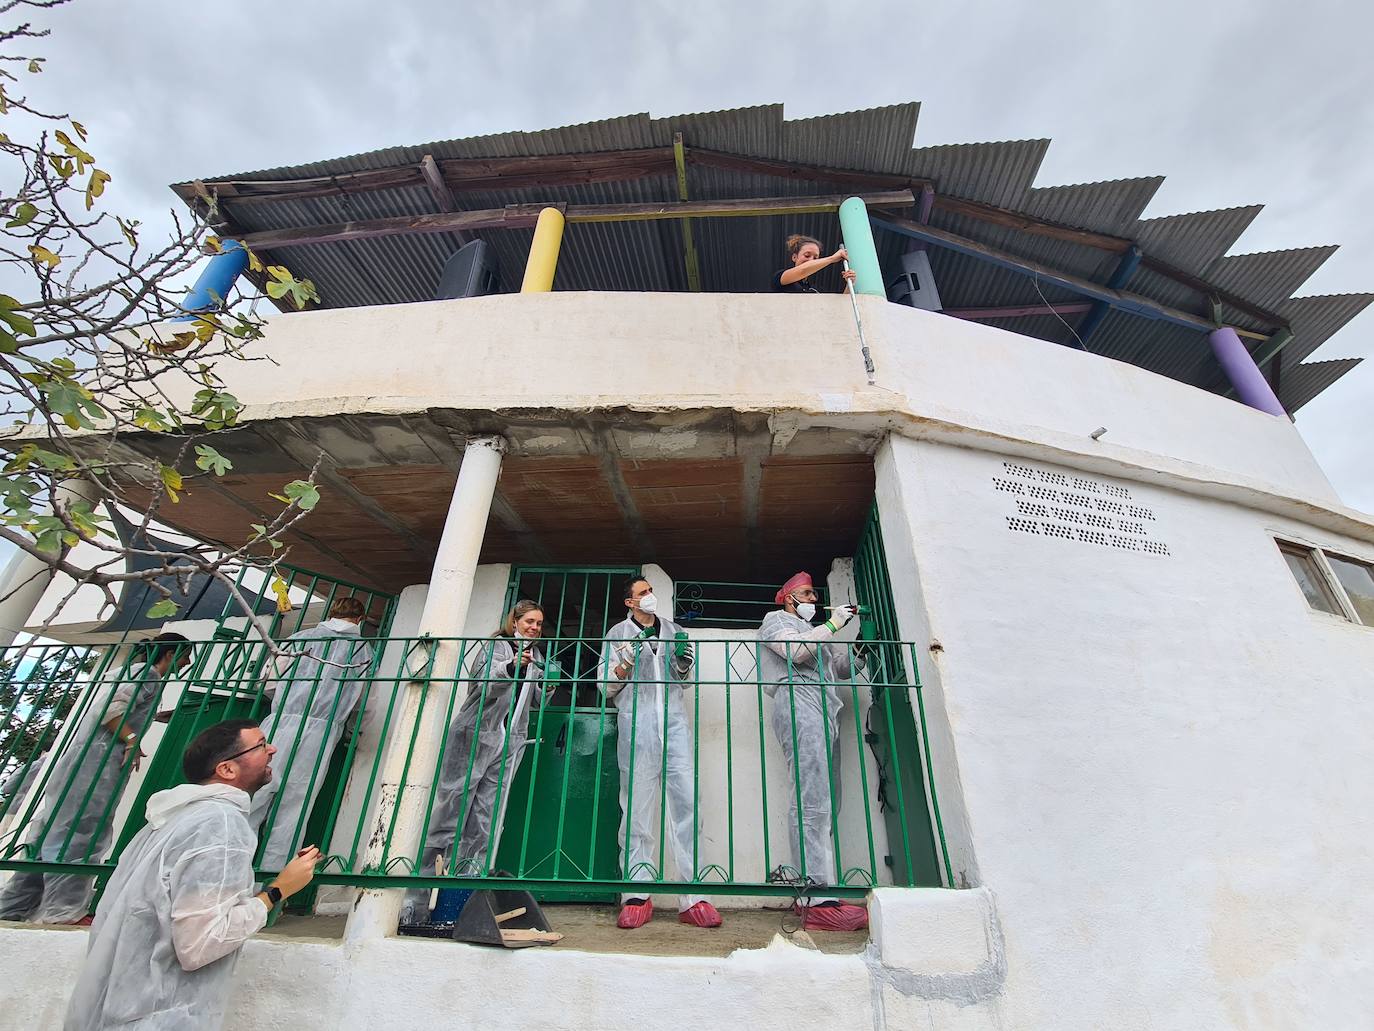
x=524, y=216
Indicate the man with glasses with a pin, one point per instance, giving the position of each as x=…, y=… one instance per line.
x=800, y=671
x=180, y=903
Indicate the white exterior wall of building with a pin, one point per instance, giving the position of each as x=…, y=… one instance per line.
x=1163, y=763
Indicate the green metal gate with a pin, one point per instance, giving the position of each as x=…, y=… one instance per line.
x=891, y=729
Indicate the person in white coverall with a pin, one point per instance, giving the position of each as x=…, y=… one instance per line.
x=639, y=664
x=180, y=903
x=801, y=673
x=485, y=743
x=314, y=698
x=80, y=795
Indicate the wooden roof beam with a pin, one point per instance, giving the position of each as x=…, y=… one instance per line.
x=1129, y=302
x=524, y=216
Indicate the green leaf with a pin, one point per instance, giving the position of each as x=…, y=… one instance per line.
x=36, y=65
x=212, y=461
x=166, y=607
x=20, y=323
x=303, y=493
x=259, y=529
x=23, y=215
x=150, y=419
x=216, y=408
x=87, y=521
x=302, y=291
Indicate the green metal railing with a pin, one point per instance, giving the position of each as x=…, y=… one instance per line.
x=552, y=776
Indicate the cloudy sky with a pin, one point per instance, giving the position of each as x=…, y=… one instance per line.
x=1236, y=102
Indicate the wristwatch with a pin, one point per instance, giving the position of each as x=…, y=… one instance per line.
x=273, y=894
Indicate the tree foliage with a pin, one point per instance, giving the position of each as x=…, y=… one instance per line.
x=92, y=354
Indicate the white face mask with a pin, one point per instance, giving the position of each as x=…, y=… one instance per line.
x=806, y=610
x=648, y=604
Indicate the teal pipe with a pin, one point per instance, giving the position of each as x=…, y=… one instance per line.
x=858, y=241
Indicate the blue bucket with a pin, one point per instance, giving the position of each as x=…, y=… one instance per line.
x=449, y=904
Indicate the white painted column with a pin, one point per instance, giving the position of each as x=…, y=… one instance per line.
x=446, y=608
x=26, y=577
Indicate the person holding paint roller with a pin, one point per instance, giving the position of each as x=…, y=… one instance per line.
x=804, y=260
x=800, y=670
x=643, y=657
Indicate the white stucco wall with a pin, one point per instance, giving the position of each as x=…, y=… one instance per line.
x=1163, y=762
x=950, y=981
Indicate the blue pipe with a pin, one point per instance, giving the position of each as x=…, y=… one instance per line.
x=1125, y=269
x=216, y=280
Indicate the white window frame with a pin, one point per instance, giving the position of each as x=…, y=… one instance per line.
x=1328, y=575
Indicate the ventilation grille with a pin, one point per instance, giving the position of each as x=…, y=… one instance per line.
x=1077, y=508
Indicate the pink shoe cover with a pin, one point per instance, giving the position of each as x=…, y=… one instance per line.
x=703, y=914
x=635, y=914
x=844, y=917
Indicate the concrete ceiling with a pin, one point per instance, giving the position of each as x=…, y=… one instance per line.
x=707, y=495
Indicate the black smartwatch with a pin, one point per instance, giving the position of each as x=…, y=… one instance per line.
x=273, y=894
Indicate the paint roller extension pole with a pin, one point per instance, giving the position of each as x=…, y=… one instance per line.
x=863, y=258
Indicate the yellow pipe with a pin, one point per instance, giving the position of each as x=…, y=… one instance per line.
x=543, y=259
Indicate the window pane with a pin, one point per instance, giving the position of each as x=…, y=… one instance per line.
x=1309, y=578
x=1358, y=580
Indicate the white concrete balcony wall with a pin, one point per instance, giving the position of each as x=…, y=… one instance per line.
x=936, y=376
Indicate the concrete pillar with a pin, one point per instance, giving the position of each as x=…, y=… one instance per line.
x=1251, y=386
x=543, y=260
x=26, y=577
x=215, y=280
x=445, y=615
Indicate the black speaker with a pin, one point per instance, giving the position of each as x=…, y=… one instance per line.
x=470, y=272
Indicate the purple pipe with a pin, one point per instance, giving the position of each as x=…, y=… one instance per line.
x=1251, y=386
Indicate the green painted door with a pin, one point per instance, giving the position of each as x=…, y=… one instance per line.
x=891, y=723
x=568, y=786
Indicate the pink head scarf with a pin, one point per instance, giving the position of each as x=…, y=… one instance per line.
x=798, y=581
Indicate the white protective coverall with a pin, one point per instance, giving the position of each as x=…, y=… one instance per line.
x=789, y=666
x=639, y=706
x=312, y=705
x=480, y=738
x=177, y=908
x=92, y=761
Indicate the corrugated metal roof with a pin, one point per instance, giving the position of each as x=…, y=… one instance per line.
x=740, y=254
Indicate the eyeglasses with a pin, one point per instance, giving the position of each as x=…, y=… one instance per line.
x=261, y=744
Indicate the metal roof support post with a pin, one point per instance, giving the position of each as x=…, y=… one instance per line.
x=1125, y=269
x=1251, y=386
x=215, y=280
x=543, y=260
x=445, y=615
